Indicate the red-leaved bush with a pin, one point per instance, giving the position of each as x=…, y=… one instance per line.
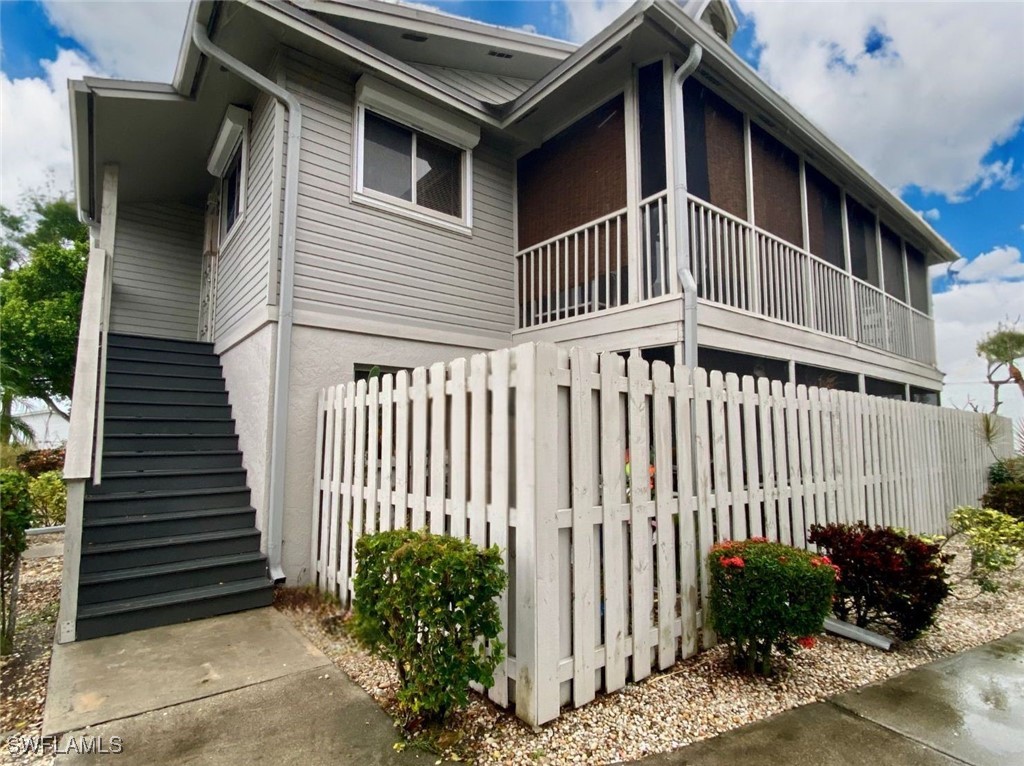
x=889, y=579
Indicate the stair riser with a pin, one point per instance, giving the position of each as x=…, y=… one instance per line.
x=194, y=461
x=183, y=426
x=148, y=586
x=102, y=508
x=152, y=529
x=157, y=482
x=168, y=443
x=131, y=380
x=160, y=396
x=157, y=344
x=170, y=411
x=106, y=562
x=164, y=355
x=163, y=368
x=169, y=615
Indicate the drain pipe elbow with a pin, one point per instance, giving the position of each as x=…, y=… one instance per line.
x=682, y=221
x=282, y=366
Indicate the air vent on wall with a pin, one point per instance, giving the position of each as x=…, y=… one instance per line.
x=608, y=54
x=499, y=54
x=413, y=37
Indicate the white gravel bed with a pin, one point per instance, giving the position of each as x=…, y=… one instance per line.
x=696, y=699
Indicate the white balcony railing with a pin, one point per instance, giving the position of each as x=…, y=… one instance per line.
x=586, y=270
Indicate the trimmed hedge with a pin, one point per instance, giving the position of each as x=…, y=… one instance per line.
x=767, y=596
x=890, y=579
x=426, y=603
x=15, y=518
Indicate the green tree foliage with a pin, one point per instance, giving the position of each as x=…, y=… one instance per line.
x=995, y=540
x=1003, y=349
x=426, y=603
x=15, y=518
x=44, y=257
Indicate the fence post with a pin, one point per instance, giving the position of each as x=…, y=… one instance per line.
x=537, y=607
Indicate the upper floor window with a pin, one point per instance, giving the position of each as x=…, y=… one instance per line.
x=227, y=163
x=232, y=191
x=408, y=165
x=412, y=157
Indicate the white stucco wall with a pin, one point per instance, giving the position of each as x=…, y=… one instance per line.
x=322, y=357
x=248, y=373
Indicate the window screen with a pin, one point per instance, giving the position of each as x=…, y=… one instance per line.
x=892, y=264
x=438, y=176
x=777, y=206
x=917, y=275
x=715, y=153
x=651, y=98
x=863, y=247
x=387, y=159
x=825, y=218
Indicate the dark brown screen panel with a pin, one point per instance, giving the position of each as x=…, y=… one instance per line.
x=825, y=218
x=917, y=275
x=776, y=187
x=892, y=264
x=863, y=248
x=651, y=106
x=715, y=161
x=575, y=177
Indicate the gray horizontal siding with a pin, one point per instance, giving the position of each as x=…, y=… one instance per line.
x=362, y=262
x=489, y=88
x=157, y=260
x=244, y=261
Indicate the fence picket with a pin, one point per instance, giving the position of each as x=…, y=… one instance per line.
x=665, y=505
x=401, y=394
x=498, y=510
x=457, y=451
x=642, y=595
x=437, y=498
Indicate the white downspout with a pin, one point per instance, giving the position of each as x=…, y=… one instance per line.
x=686, y=280
x=282, y=368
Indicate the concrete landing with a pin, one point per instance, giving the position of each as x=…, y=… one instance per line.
x=965, y=709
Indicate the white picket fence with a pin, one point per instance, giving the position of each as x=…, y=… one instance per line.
x=604, y=482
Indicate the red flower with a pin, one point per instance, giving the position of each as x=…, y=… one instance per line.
x=807, y=642
x=734, y=561
x=758, y=539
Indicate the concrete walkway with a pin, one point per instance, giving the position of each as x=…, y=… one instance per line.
x=245, y=688
x=965, y=709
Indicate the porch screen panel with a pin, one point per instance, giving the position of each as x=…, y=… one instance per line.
x=917, y=275
x=892, y=264
x=825, y=218
x=715, y=154
x=863, y=248
x=776, y=187
x=651, y=98
x=575, y=177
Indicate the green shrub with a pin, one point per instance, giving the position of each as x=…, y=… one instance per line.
x=766, y=595
x=1006, y=471
x=1007, y=498
x=427, y=604
x=15, y=518
x=889, y=578
x=49, y=499
x=38, y=461
x=995, y=540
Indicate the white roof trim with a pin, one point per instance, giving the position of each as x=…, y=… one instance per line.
x=417, y=113
x=230, y=133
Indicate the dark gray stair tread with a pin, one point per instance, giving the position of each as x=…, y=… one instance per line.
x=168, y=472
x=164, y=542
x=125, y=340
x=168, y=453
x=127, y=357
x=169, y=598
x=163, y=436
x=154, y=570
x=157, y=375
x=142, y=518
x=158, y=388
x=135, y=496
x=166, y=404
x=145, y=418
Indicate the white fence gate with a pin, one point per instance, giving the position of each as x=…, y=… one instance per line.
x=605, y=481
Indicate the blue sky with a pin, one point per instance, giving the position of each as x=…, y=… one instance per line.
x=945, y=131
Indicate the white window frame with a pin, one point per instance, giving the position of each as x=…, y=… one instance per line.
x=241, y=150
x=417, y=116
x=232, y=141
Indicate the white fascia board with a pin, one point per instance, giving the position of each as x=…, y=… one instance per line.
x=135, y=89
x=433, y=22
x=187, y=66
x=369, y=56
x=78, y=97
x=416, y=112
x=753, y=87
x=589, y=52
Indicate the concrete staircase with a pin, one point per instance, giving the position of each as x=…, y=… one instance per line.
x=169, y=534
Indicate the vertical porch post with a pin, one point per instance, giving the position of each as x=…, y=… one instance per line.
x=632, y=137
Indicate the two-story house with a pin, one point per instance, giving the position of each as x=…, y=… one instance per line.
x=329, y=186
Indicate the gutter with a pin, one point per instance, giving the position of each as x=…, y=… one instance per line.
x=286, y=310
x=686, y=280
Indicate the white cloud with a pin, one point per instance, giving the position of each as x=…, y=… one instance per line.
x=940, y=87
x=963, y=316
x=999, y=263
x=585, y=18
x=137, y=40
x=930, y=215
x=35, y=151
